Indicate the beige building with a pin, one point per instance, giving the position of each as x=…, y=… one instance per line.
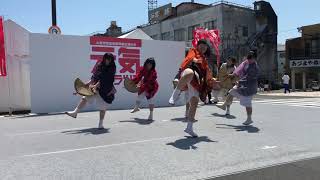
x=303, y=57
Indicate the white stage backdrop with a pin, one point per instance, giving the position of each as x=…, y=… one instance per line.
x=57, y=60
x=17, y=97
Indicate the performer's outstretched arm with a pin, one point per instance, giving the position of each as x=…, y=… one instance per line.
x=187, y=61
x=138, y=77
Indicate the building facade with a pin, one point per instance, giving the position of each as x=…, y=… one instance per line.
x=242, y=28
x=112, y=31
x=281, y=55
x=303, y=57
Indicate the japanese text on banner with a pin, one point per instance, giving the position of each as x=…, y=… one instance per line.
x=127, y=53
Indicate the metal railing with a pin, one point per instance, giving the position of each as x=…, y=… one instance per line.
x=230, y=3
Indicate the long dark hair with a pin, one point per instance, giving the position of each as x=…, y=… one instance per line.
x=110, y=57
x=102, y=65
x=150, y=61
x=208, y=52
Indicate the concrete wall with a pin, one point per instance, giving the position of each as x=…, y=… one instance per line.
x=58, y=60
x=234, y=20
x=15, y=87
x=281, y=62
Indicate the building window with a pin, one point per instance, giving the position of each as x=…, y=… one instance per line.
x=282, y=55
x=179, y=35
x=190, y=31
x=155, y=37
x=245, y=31
x=258, y=7
x=210, y=25
x=165, y=36
x=315, y=47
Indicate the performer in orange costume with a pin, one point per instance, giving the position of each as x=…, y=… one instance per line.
x=195, y=80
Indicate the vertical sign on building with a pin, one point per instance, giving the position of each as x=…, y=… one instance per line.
x=126, y=52
x=3, y=70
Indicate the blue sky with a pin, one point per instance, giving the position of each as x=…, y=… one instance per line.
x=82, y=17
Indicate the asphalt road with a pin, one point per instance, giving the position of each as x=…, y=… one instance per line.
x=58, y=147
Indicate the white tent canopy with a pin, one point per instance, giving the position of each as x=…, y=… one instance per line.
x=136, y=34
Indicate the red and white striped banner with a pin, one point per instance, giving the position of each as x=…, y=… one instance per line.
x=3, y=69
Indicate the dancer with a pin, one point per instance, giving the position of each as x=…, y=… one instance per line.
x=226, y=83
x=246, y=87
x=102, y=83
x=195, y=80
x=148, y=86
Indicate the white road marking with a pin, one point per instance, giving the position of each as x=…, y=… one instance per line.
x=307, y=102
x=268, y=147
x=295, y=105
x=46, y=132
x=99, y=147
x=54, y=131
x=288, y=100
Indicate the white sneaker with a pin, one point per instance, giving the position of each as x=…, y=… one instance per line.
x=135, y=110
x=248, y=122
x=215, y=101
x=228, y=112
x=223, y=107
x=100, y=126
x=71, y=114
x=175, y=97
x=191, y=133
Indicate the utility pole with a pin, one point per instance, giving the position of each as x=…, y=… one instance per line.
x=54, y=12
x=54, y=29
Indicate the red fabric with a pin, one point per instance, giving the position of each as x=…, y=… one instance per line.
x=148, y=82
x=212, y=35
x=3, y=70
x=202, y=64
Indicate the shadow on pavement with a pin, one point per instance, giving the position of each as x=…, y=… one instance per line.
x=224, y=116
x=140, y=121
x=188, y=142
x=180, y=119
x=92, y=131
x=36, y=115
x=249, y=129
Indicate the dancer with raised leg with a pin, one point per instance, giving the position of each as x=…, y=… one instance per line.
x=195, y=80
x=102, y=83
x=226, y=83
x=148, y=85
x=247, y=86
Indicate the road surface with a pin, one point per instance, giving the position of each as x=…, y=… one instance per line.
x=58, y=147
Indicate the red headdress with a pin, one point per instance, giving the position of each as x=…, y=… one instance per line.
x=212, y=35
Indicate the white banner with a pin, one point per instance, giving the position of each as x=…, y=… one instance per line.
x=57, y=60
